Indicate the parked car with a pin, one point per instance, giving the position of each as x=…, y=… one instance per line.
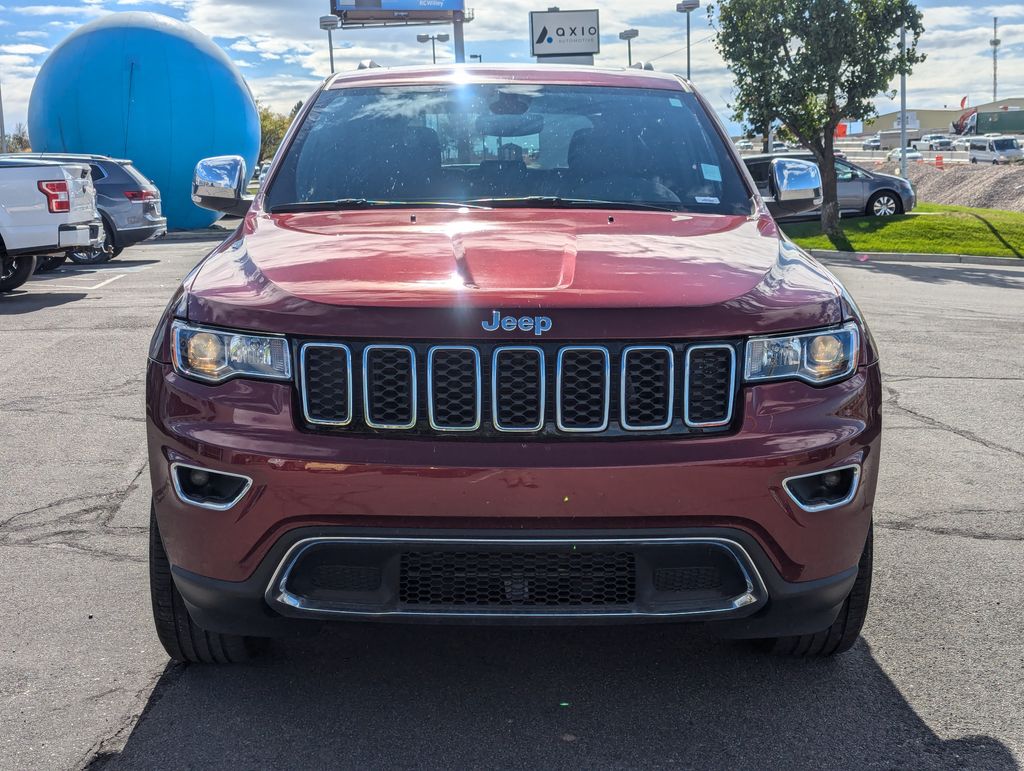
x=995, y=150
x=128, y=202
x=871, y=143
x=912, y=154
x=933, y=143
x=744, y=144
x=46, y=210
x=598, y=386
x=861, y=192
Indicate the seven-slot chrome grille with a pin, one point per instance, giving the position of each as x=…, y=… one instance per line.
x=518, y=390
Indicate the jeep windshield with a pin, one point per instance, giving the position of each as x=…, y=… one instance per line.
x=506, y=145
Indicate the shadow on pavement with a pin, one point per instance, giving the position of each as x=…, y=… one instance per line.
x=1010, y=277
x=82, y=270
x=19, y=302
x=375, y=696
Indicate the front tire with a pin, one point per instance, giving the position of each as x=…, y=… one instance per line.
x=844, y=631
x=884, y=204
x=181, y=637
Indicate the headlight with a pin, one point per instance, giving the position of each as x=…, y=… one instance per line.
x=214, y=355
x=815, y=357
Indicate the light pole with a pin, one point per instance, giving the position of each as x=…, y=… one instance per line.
x=330, y=23
x=3, y=130
x=434, y=40
x=688, y=7
x=629, y=35
x=903, y=101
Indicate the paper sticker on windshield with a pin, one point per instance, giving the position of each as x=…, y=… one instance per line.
x=711, y=173
x=675, y=102
x=705, y=199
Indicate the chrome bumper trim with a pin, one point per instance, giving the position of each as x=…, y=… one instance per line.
x=278, y=596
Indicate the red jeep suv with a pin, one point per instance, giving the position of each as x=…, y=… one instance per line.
x=510, y=345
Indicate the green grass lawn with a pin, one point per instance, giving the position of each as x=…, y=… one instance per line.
x=931, y=229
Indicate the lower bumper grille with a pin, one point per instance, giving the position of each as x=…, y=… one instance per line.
x=555, y=578
x=511, y=579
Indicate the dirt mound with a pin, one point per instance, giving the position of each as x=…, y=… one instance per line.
x=987, y=187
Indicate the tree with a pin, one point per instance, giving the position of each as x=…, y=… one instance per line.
x=813, y=64
x=273, y=127
x=18, y=141
x=295, y=110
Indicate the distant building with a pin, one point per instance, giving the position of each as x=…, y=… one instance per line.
x=935, y=121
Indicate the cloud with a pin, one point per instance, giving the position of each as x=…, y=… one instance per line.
x=61, y=10
x=284, y=53
x=28, y=49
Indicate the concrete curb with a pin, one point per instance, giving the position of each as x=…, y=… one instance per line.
x=961, y=259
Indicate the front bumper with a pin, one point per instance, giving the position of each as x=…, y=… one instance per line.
x=768, y=606
x=305, y=480
x=909, y=200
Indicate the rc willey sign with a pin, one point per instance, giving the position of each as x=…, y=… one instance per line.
x=565, y=33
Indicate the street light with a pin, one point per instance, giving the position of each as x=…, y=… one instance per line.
x=478, y=57
x=688, y=7
x=629, y=35
x=330, y=23
x=434, y=40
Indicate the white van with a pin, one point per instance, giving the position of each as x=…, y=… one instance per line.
x=995, y=150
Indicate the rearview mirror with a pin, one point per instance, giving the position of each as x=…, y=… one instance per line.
x=795, y=187
x=219, y=185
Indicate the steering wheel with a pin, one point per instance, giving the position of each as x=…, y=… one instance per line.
x=624, y=187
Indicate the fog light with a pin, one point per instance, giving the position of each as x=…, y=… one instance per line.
x=831, y=480
x=208, y=489
x=823, y=490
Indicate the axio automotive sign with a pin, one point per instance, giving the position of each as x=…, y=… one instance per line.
x=565, y=33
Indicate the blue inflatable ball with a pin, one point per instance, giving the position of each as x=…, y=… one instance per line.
x=152, y=89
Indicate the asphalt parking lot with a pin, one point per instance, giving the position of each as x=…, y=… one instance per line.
x=936, y=681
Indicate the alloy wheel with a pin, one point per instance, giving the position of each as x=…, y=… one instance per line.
x=884, y=206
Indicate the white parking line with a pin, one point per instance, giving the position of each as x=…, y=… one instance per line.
x=82, y=287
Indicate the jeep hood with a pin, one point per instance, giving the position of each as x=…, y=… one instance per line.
x=304, y=272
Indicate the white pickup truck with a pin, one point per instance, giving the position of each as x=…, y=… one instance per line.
x=933, y=143
x=46, y=209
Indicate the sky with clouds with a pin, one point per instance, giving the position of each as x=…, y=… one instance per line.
x=281, y=51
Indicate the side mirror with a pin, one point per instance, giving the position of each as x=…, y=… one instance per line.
x=219, y=184
x=795, y=187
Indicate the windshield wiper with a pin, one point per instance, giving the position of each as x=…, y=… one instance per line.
x=343, y=204
x=558, y=202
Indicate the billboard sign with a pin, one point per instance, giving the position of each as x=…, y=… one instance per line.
x=397, y=5
x=565, y=33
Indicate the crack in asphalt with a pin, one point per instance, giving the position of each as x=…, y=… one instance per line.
x=921, y=522
x=35, y=528
x=128, y=387
x=78, y=414
x=907, y=526
x=902, y=378
x=105, y=750
x=892, y=400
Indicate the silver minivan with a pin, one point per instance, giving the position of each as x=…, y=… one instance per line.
x=995, y=150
